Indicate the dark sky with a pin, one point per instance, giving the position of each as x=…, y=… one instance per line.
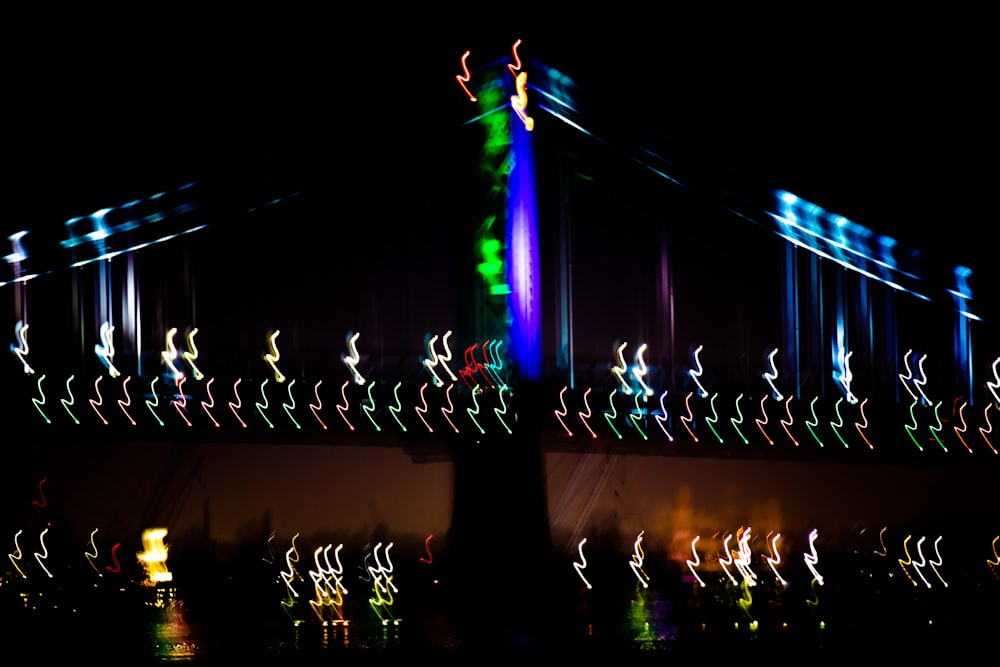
x=883, y=118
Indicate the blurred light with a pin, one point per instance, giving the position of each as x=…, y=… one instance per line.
x=839, y=423
x=697, y=561
x=610, y=417
x=16, y=555
x=696, y=372
x=863, y=424
x=772, y=375
x=736, y=422
x=100, y=400
x=106, y=349
x=20, y=350
x=154, y=556
x=688, y=419
x=352, y=359
x=367, y=407
x=760, y=424
x=815, y=421
x=447, y=411
x=38, y=403
x=502, y=410
x=394, y=410
x=465, y=77
x=169, y=355
x=620, y=368
x=835, y=238
x=637, y=559
x=473, y=411
x=812, y=558
x=638, y=415
x=559, y=415
x=272, y=356
x=66, y=404
x=582, y=565
x=150, y=405
x=44, y=553
x=18, y=253
x=585, y=414
x=263, y=406
x=192, y=354
x=210, y=403
x=342, y=409
x=128, y=400
x=421, y=411
x=523, y=273
x=180, y=403
x=661, y=421
x=291, y=405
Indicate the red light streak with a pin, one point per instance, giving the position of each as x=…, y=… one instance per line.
x=861, y=426
x=427, y=547
x=421, y=411
x=40, y=505
x=514, y=69
x=238, y=404
x=465, y=77
x=318, y=406
x=128, y=400
x=560, y=415
x=343, y=408
x=585, y=416
x=687, y=419
x=450, y=409
x=114, y=557
x=960, y=431
x=100, y=400
x=211, y=401
x=760, y=424
x=785, y=425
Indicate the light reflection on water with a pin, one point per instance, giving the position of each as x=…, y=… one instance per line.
x=648, y=621
x=171, y=636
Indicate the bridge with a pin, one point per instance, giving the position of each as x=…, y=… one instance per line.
x=544, y=291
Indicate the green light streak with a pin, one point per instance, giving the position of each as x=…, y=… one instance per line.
x=614, y=412
x=40, y=403
x=815, y=422
x=736, y=422
x=935, y=431
x=369, y=407
x=637, y=416
x=156, y=400
x=500, y=412
x=261, y=408
x=66, y=403
x=714, y=419
x=288, y=408
x=394, y=410
x=473, y=412
x=840, y=421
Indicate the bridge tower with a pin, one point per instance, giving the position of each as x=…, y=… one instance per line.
x=500, y=488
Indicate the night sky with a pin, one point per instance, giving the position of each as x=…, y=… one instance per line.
x=882, y=118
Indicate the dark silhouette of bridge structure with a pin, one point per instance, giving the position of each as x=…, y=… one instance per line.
x=670, y=317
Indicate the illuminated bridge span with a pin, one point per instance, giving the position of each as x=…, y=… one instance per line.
x=214, y=311
x=459, y=404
